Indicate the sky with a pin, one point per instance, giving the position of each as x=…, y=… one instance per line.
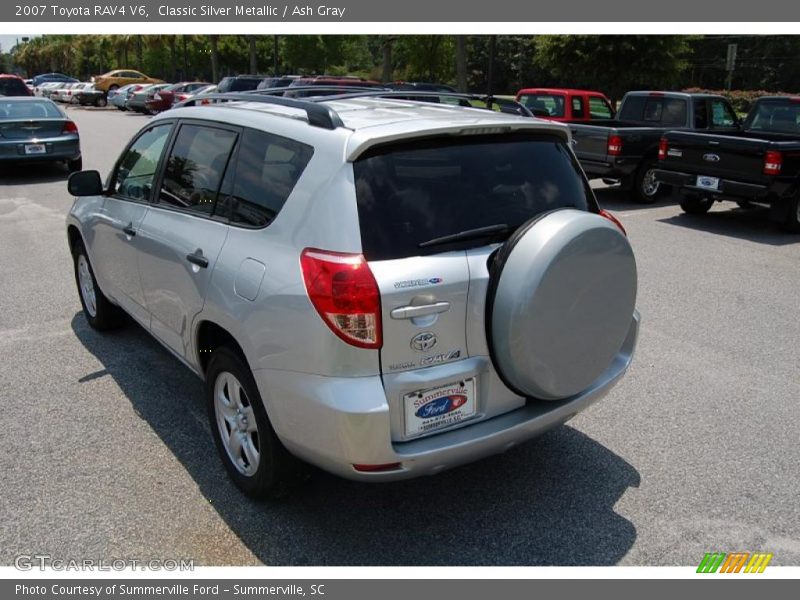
x=7, y=41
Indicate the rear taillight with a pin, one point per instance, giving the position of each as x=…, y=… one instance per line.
x=343, y=290
x=663, y=146
x=70, y=127
x=614, y=145
x=772, y=162
x=614, y=220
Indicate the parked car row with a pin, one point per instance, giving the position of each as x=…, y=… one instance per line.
x=155, y=98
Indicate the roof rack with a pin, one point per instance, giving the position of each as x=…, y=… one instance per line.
x=320, y=115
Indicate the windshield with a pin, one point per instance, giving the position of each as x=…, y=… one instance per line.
x=10, y=111
x=414, y=192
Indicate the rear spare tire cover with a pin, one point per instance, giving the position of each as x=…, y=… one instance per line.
x=561, y=300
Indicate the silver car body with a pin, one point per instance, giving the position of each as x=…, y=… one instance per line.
x=330, y=403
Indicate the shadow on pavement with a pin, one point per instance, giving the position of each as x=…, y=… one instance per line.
x=752, y=224
x=615, y=199
x=25, y=174
x=548, y=502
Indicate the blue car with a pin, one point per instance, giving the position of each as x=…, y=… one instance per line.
x=36, y=130
x=40, y=79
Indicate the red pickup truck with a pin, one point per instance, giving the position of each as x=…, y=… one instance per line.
x=566, y=105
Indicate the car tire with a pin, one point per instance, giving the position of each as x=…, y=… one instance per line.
x=696, y=205
x=254, y=457
x=646, y=189
x=112, y=87
x=101, y=102
x=75, y=165
x=792, y=221
x=99, y=311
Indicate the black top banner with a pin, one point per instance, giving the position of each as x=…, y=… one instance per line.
x=320, y=11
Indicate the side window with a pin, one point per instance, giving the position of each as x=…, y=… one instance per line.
x=577, y=108
x=267, y=169
x=722, y=115
x=700, y=113
x=137, y=169
x=195, y=168
x=599, y=108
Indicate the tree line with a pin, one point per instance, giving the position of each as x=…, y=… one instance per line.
x=610, y=63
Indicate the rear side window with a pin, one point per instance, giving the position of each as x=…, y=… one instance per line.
x=577, y=108
x=195, y=168
x=413, y=192
x=599, y=108
x=267, y=169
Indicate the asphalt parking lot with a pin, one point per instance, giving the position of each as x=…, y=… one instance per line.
x=107, y=452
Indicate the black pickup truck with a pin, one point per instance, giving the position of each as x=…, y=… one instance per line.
x=626, y=148
x=759, y=164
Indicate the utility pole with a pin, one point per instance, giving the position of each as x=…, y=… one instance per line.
x=490, y=71
x=275, y=55
x=730, y=65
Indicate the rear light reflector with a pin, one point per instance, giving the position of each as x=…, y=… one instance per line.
x=614, y=220
x=70, y=127
x=377, y=468
x=663, y=146
x=343, y=290
x=614, y=145
x=773, y=160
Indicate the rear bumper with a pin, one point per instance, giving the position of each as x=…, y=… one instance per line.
x=65, y=148
x=727, y=187
x=335, y=423
x=616, y=168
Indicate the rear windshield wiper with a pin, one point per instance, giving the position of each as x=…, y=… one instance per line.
x=469, y=234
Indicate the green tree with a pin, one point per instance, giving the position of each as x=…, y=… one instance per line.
x=614, y=64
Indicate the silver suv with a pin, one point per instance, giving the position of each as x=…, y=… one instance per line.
x=381, y=287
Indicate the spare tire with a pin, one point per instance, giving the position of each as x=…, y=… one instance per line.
x=561, y=298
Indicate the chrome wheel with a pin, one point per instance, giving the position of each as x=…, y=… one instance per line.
x=86, y=283
x=649, y=183
x=236, y=423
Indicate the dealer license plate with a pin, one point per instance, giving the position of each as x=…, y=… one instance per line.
x=708, y=183
x=35, y=149
x=440, y=407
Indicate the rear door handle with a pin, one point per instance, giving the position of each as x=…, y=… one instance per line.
x=410, y=312
x=197, y=258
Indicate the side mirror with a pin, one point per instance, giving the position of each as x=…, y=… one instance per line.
x=85, y=183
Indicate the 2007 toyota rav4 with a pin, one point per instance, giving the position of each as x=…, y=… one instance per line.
x=384, y=288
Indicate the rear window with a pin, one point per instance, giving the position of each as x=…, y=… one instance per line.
x=11, y=86
x=29, y=110
x=654, y=110
x=553, y=104
x=413, y=192
x=777, y=116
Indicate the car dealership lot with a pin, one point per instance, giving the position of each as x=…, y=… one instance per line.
x=108, y=452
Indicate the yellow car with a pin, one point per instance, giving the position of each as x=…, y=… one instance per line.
x=116, y=79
